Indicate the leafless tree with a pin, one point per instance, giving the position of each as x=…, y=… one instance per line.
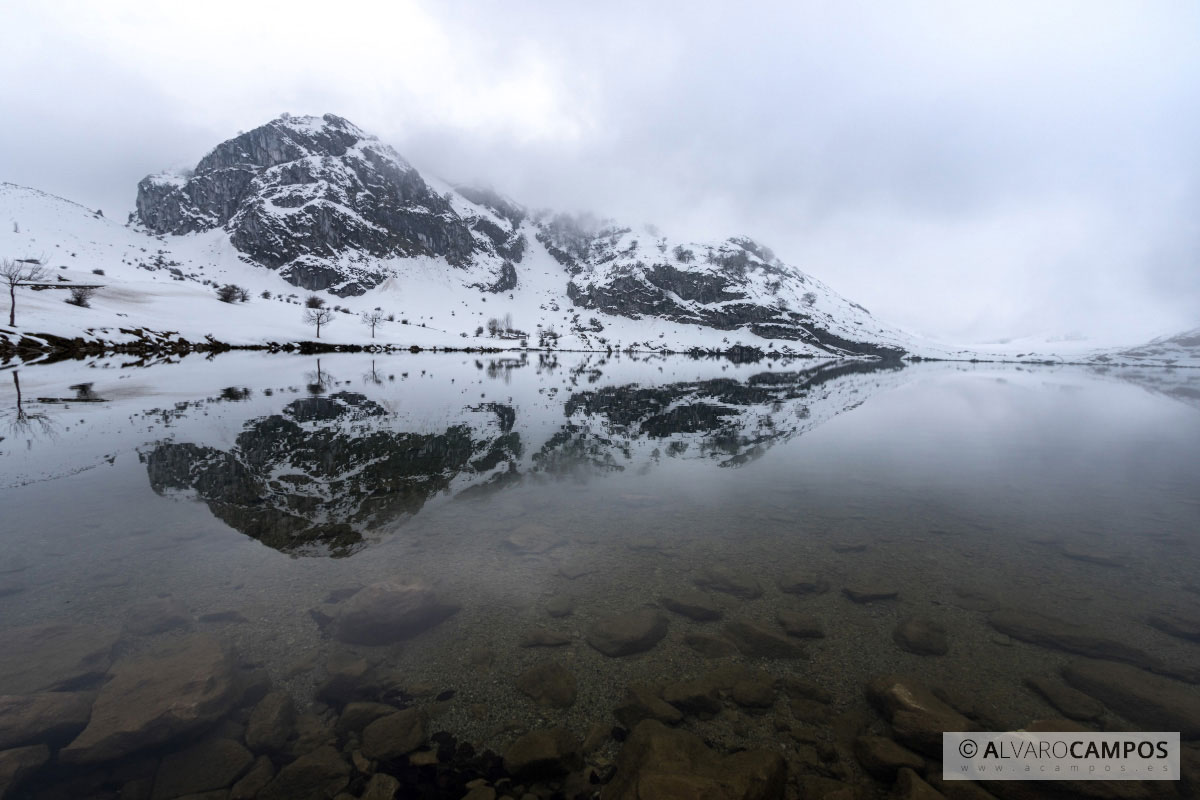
x=318, y=381
x=373, y=376
x=372, y=319
x=318, y=317
x=16, y=273
x=28, y=423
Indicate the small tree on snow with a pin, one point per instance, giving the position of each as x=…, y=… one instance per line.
x=318, y=317
x=81, y=295
x=372, y=319
x=227, y=293
x=15, y=273
x=314, y=301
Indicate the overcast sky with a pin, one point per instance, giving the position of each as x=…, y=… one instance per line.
x=967, y=170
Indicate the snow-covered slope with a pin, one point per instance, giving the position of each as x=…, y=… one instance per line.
x=1181, y=349
x=313, y=205
x=326, y=206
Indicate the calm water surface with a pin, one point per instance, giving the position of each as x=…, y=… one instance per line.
x=243, y=494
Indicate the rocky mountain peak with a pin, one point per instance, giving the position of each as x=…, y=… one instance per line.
x=317, y=199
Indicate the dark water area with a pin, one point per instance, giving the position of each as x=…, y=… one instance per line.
x=449, y=576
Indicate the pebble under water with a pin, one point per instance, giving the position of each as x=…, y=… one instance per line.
x=576, y=576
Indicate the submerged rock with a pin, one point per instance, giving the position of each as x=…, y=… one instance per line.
x=870, y=591
x=664, y=763
x=318, y=775
x=883, y=758
x=724, y=579
x=1147, y=699
x=207, y=766
x=395, y=735
x=754, y=689
x=560, y=605
x=1182, y=623
x=641, y=702
x=922, y=636
x=533, y=539
x=271, y=723
x=1070, y=702
x=1035, y=628
x=710, y=646
x=549, y=684
x=910, y=786
x=387, y=612
x=360, y=714
x=798, y=582
x=176, y=689
x=157, y=616
x=544, y=637
x=755, y=641
x=626, y=634
x=19, y=763
x=691, y=604
x=696, y=697
x=257, y=777
x=49, y=717
x=801, y=625
x=54, y=656
x=542, y=753
x=917, y=715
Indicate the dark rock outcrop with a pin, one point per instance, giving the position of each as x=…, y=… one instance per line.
x=320, y=201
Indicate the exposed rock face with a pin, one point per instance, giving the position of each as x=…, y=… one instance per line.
x=318, y=200
x=178, y=688
x=332, y=208
x=388, y=612
x=733, y=284
x=666, y=764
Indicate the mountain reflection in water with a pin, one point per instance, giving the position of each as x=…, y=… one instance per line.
x=315, y=478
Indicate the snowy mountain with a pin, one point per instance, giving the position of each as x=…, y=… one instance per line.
x=329, y=207
x=307, y=205
x=1182, y=349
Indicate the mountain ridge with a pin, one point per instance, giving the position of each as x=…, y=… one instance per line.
x=328, y=205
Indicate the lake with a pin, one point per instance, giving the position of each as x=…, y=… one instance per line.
x=499, y=544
